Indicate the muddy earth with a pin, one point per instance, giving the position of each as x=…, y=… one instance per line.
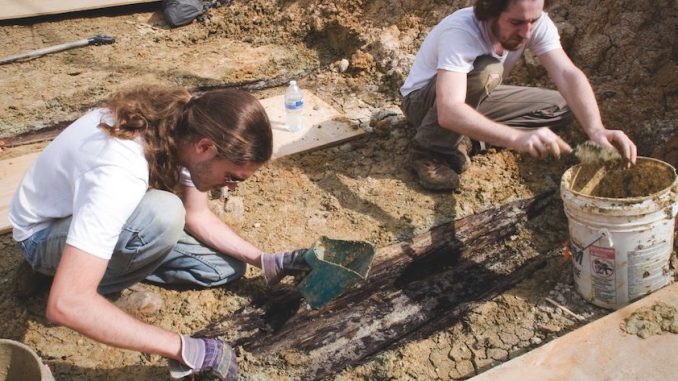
x=614, y=179
x=358, y=190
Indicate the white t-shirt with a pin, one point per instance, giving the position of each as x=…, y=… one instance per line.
x=85, y=173
x=456, y=42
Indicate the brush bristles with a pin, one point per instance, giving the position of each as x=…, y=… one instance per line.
x=590, y=152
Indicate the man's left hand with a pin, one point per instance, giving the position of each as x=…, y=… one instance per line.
x=618, y=140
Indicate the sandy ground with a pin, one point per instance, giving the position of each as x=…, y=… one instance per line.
x=358, y=190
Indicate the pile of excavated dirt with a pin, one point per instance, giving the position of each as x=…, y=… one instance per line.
x=649, y=321
x=358, y=190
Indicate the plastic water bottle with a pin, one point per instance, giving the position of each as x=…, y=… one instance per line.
x=294, y=106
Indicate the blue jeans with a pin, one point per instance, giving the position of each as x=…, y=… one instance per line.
x=152, y=246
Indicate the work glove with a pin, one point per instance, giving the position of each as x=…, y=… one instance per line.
x=278, y=265
x=207, y=359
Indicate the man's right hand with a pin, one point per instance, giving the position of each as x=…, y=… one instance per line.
x=540, y=143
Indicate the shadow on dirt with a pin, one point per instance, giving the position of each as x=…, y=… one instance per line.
x=66, y=371
x=15, y=313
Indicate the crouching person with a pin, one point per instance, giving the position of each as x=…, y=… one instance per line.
x=454, y=92
x=120, y=196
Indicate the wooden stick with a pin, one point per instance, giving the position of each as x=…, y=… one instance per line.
x=565, y=309
x=96, y=40
x=594, y=181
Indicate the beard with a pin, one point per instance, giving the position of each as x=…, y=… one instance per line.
x=513, y=43
x=507, y=42
x=200, y=173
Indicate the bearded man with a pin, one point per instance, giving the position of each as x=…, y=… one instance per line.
x=454, y=92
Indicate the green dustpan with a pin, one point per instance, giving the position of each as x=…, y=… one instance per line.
x=335, y=266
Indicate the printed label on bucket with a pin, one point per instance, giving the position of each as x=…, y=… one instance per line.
x=602, y=273
x=577, y=256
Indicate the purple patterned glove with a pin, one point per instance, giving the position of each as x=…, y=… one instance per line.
x=209, y=358
x=277, y=265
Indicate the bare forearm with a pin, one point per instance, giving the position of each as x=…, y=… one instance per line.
x=98, y=319
x=213, y=232
x=465, y=120
x=539, y=142
x=575, y=87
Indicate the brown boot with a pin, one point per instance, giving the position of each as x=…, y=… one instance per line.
x=137, y=300
x=459, y=160
x=28, y=282
x=433, y=170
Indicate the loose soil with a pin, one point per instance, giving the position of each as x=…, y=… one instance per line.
x=614, y=180
x=649, y=321
x=359, y=190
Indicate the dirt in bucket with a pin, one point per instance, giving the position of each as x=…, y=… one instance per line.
x=650, y=321
x=612, y=179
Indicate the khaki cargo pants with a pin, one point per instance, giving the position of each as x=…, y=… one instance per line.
x=516, y=106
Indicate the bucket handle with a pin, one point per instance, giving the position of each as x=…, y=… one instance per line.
x=604, y=233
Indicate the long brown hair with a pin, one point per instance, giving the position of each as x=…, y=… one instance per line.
x=163, y=116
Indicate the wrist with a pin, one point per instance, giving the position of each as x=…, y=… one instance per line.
x=176, y=354
x=513, y=139
x=594, y=130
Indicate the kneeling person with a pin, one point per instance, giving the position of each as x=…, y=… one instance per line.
x=120, y=196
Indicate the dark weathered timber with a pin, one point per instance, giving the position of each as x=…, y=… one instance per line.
x=37, y=136
x=411, y=286
x=256, y=85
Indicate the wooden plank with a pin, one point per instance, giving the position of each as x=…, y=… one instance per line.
x=11, y=172
x=323, y=126
x=599, y=351
x=13, y=9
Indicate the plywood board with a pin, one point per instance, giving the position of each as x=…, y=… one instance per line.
x=323, y=125
x=11, y=173
x=13, y=9
x=599, y=351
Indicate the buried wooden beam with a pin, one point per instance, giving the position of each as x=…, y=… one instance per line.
x=413, y=288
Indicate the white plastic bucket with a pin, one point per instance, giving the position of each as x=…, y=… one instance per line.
x=620, y=247
x=19, y=362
